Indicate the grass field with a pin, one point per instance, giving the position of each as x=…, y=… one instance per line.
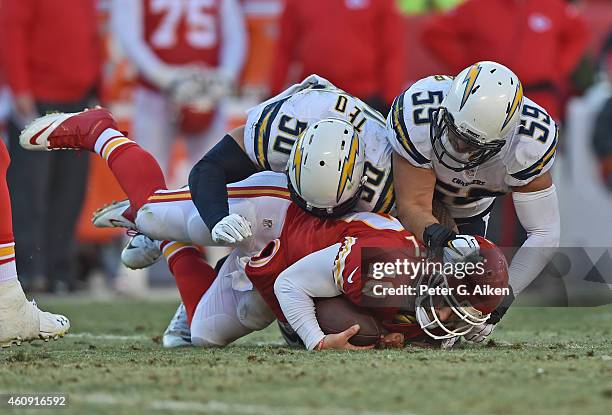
x=542, y=361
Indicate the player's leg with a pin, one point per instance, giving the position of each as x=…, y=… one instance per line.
x=171, y=215
x=225, y=314
x=20, y=320
x=216, y=313
x=137, y=172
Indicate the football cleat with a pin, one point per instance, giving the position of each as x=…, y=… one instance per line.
x=140, y=252
x=178, y=333
x=291, y=337
x=22, y=321
x=111, y=216
x=66, y=131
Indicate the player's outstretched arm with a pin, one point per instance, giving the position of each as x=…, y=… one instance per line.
x=414, y=189
x=537, y=208
x=225, y=163
x=295, y=289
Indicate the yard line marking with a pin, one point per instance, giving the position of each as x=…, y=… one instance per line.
x=104, y=336
x=221, y=407
x=86, y=335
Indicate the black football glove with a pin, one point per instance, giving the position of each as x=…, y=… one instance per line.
x=436, y=237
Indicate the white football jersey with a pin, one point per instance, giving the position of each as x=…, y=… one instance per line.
x=528, y=153
x=273, y=126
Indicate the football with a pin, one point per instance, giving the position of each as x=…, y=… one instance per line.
x=337, y=314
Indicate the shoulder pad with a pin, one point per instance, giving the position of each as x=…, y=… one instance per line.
x=532, y=146
x=409, y=120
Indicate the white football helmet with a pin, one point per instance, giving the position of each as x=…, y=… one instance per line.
x=326, y=168
x=483, y=105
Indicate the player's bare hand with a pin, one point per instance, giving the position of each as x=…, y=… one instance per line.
x=340, y=341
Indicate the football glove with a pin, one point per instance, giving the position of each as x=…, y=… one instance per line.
x=231, y=229
x=449, y=343
x=479, y=334
x=460, y=249
x=437, y=236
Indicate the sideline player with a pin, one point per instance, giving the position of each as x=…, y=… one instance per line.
x=464, y=141
x=188, y=55
x=20, y=319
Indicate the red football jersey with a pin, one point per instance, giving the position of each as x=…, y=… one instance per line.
x=183, y=31
x=304, y=234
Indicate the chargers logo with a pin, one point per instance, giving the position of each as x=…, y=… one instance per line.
x=297, y=162
x=516, y=103
x=348, y=166
x=470, y=81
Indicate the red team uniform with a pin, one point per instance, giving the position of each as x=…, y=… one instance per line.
x=355, y=232
x=197, y=43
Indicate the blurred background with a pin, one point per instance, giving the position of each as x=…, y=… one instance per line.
x=129, y=55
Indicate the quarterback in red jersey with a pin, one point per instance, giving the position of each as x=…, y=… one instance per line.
x=337, y=257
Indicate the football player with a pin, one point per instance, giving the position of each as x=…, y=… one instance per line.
x=289, y=276
x=265, y=143
x=188, y=55
x=464, y=141
x=20, y=319
x=221, y=309
x=225, y=308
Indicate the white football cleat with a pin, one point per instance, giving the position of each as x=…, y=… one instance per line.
x=22, y=321
x=66, y=131
x=111, y=216
x=140, y=252
x=178, y=333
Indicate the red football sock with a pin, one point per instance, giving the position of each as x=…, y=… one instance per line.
x=6, y=220
x=192, y=274
x=8, y=270
x=138, y=174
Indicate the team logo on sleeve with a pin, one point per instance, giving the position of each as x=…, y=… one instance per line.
x=470, y=81
x=516, y=103
x=348, y=167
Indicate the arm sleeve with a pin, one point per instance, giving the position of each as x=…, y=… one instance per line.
x=538, y=212
x=574, y=38
x=393, y=51
x=288, y=31
x=234, y=44
x=15, y=20
x=127, y=23
x=296, y=287
x=442, y=36
x=224, y=163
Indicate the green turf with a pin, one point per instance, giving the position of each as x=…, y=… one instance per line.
x=543, y=361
